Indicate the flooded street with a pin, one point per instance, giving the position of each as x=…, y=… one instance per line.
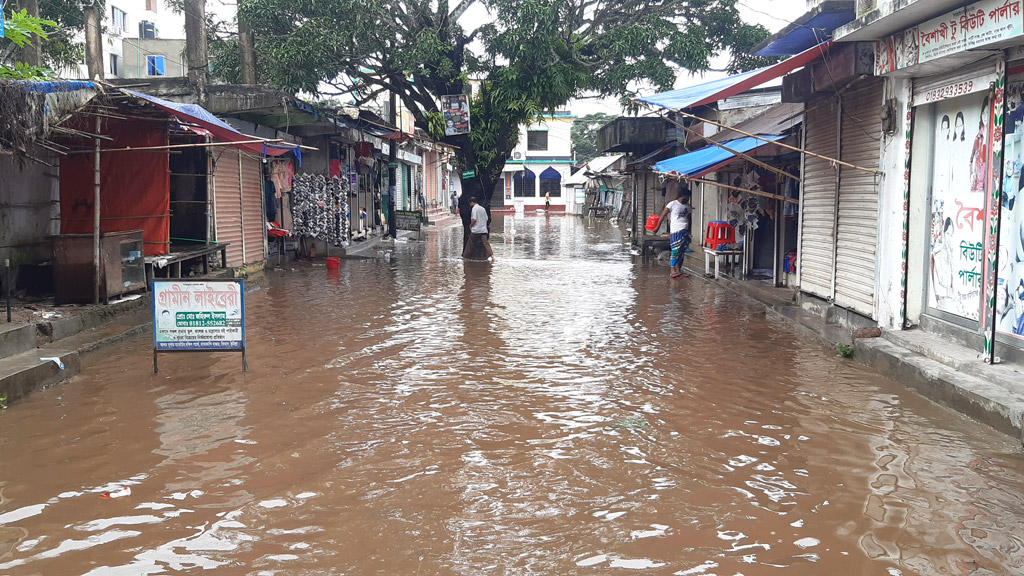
x=564, y=411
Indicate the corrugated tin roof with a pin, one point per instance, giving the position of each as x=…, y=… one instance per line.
x=775, y=120
x=595, y=166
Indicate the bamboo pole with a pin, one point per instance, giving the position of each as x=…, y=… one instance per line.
x=738, y=153
x=96, y=216
x=747, y=190
x=787, y=146
x=195, y=145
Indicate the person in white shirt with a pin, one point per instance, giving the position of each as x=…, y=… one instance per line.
x=477, y=230
x=679, y=229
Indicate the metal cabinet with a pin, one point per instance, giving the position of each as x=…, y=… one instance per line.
x=122, y=266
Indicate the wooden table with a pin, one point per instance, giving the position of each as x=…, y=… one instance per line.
x=179, y=254
x=718, y=255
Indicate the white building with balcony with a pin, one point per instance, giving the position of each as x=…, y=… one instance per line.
x=539, y=165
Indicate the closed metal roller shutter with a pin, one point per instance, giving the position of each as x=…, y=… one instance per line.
x=227, y=203
x=815, y=259
x=253, y=227
x=857, y=225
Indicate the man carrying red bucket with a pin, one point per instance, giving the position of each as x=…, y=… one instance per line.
x=679, y=229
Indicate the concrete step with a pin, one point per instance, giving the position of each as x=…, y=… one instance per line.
x=993, y=398
x=25, y=372
x=16, y=338
x=957, y=357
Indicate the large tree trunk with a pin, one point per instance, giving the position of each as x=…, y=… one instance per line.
x=93, y=42
x=32, y=54
x=247, y=50
x=195, y=48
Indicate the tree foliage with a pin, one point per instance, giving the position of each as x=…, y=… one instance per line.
x=584, y=136
x=528, y=56
x=19, y=29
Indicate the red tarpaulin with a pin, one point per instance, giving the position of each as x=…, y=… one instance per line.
x=134, y=186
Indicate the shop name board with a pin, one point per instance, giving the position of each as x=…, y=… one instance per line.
x=973, y=26
x=198, y=315
x=469, y=174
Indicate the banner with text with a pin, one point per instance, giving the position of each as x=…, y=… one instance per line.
x=455, y=108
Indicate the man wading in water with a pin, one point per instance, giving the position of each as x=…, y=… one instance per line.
x=477, y=230
x=679, y=228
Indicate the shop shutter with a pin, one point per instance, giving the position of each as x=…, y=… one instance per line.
x=857, y=225
x=400, y=186
x=227, y=203
x=253, y=227
x=818, y=203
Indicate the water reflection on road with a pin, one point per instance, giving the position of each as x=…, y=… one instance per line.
x=564, y=411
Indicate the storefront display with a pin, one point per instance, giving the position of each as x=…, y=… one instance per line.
x=958, y=193
x=1010, y=287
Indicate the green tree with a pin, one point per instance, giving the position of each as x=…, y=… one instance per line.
x=584, y=136
x=19, y=30
x=527, y=57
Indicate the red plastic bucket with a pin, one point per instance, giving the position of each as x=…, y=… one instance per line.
x=652, y=222
x=333, y=263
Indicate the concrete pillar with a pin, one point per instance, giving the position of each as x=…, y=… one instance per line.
x=893, y=199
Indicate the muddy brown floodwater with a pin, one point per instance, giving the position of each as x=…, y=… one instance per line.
x=564, y=411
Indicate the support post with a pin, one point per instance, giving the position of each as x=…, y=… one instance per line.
x=97, y=272
x=7, y=286
x=392, y=162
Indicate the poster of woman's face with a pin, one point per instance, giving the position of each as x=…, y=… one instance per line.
x=959, y=166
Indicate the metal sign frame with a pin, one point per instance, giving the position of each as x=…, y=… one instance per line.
x=184, y=298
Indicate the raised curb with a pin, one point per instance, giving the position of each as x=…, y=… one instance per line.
x=16, y=338
x=26, y=372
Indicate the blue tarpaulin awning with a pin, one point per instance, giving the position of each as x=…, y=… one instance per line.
x=809, y=30
x=693, y=164
x=716, y=90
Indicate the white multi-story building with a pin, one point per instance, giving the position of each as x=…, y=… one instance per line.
x=539, y=164
x=142, y=38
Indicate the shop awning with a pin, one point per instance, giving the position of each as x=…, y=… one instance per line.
x=693, y=164
x=196, y=114
x=715, y=90
x=808, y=30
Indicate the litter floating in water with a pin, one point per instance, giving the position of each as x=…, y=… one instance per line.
x=631, y=422
x=121, y=493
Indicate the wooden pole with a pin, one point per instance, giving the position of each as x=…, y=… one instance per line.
x=193, y=145
x=747, y=157
x=97, y=276
x=786, y=146
x=738, y=189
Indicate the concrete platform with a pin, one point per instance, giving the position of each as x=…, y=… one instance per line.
x=16, y=338
x=27, y=371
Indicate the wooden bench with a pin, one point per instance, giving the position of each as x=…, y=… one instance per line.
x=179, y=254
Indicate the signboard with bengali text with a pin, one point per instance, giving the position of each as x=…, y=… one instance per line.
x=985, y=23
x=198, y=315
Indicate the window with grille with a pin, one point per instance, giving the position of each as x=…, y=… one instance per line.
x=536, y=140
x=113, y=65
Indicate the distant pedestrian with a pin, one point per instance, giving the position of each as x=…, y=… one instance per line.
x=679, y=229
x=423, y=202
x=547, y=201
x=455, y=202
x=477, y=230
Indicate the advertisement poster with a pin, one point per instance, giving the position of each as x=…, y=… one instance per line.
x=455, y=109
x=198, y=315
x=959, y=172
x=1010, y=287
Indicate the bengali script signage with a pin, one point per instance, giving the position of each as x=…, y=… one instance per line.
x=973, y=26
x=198, y=315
